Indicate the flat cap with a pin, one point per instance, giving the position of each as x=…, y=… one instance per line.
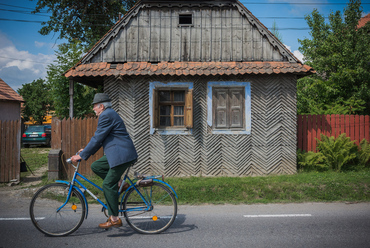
x=101, y=97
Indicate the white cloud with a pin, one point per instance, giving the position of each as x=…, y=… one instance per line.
x=296, y=53
x=298, y=9
x=21, y=67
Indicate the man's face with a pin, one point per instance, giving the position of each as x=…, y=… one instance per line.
x=98, y=108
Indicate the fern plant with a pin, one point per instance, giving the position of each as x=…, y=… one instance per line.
x=337, y=151
x=363, y=154
x=310, y=161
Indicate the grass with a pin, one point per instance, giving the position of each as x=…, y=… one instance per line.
x=352, y=186
x=35, y=157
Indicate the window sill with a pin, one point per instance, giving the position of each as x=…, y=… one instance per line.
x=173, y=131
x=229, y=131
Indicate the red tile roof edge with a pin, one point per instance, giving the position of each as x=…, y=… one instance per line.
x=363, y=21
x=189, y=68
x=7, y=93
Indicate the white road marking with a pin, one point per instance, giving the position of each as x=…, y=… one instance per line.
x=41, y=218
x=276, y=215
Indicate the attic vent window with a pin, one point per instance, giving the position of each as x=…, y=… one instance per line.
x=185, y=19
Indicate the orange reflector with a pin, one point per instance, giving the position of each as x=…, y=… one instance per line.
x=74, y=207
x=154, y=218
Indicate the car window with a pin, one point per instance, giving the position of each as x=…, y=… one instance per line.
x=35, y=129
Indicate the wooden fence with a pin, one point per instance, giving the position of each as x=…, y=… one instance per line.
x=10, y=145
x=311, y=126
x=70, y=135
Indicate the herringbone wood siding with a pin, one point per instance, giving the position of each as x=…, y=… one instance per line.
x=269, y=149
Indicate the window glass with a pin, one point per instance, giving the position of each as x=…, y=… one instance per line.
x=171, y=108
x=185, y=19
x=179, y=96
x=164, y=96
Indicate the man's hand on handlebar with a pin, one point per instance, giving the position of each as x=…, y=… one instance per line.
x=75, y=158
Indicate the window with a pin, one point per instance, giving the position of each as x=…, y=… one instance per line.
x=228, y=108
x=185, y=19
x=172, y=107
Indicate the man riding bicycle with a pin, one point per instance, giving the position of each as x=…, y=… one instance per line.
x=119, y=154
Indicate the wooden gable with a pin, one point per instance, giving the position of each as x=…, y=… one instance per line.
x=199, y=31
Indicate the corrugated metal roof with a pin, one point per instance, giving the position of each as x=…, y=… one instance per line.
x=7, y=93
x=187, y=68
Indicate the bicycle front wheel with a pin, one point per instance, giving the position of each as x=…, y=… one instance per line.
x=48, y=215
x=153, y=215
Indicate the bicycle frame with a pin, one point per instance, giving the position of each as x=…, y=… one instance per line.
x=74, y=181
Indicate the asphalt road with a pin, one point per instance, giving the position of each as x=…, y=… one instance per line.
x=272, y=225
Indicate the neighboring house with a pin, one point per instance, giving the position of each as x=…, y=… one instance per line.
x=363, y=21
x=10, y=133
x=203, y=87
x=10, y=103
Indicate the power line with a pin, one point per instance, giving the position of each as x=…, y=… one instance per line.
x=23, y=12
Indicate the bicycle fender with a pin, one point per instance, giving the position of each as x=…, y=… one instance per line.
x=169, y=186
x=79, y=191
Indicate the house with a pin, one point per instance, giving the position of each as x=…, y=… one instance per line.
x=363, y=21
x=10, y=103
x=205, y=89
x=10, y=133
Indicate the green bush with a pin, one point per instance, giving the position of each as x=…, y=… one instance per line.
x=310, y=161
x=363, y=154
x=337, y=152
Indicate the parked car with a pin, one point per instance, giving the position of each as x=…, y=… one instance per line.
x=37, y=135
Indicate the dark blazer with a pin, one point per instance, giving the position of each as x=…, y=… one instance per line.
x=111, y=133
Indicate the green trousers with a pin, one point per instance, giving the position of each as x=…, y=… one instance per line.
x=110, y=177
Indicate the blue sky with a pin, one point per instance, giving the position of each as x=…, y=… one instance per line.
x=25, y=54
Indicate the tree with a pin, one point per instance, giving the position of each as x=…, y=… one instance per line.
x=275, y=31
x=37, y=100
x=340, y=54
x=86, y=20
x=67, y=56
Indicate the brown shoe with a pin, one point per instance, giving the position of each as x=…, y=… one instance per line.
x=111, y=223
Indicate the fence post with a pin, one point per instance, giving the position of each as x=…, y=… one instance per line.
x=54, y=164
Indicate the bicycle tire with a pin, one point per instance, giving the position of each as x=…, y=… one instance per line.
x=44, y=205
x=159, y=217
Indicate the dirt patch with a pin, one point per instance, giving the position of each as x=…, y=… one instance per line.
x=25, y=186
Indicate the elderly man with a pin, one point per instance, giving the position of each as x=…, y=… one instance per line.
x=119, y=154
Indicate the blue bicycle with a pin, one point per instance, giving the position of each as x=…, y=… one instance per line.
x=149, y=204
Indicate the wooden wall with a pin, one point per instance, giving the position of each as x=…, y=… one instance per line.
x=225, y=33
x=10, y=149
x=269, y=149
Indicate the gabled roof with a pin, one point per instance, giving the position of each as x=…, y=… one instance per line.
x=363, y=21
x=8, y=94
x=84, y=68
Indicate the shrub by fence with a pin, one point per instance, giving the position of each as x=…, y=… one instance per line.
x=309, y=127
x=10, y=145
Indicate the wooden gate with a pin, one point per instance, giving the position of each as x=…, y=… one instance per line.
x=70, y=135
x=10, y=149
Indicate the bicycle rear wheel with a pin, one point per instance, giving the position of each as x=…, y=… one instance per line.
x=156, y=218
x=46, y=202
